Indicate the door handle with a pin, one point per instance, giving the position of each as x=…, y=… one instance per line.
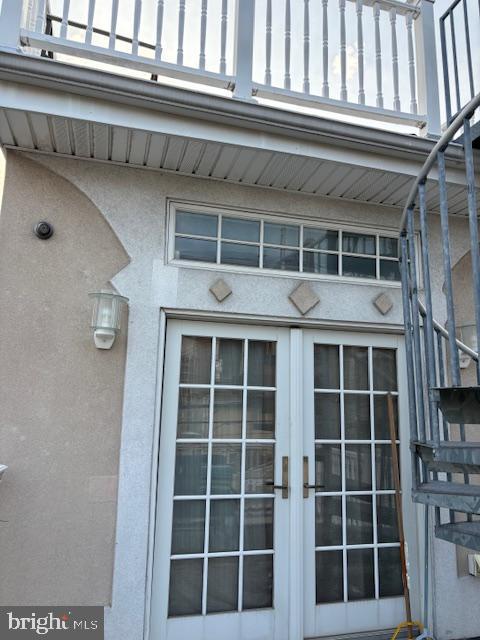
x=284, y=486
x=306, y=485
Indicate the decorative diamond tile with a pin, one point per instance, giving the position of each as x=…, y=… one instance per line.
x=383, y=303
x=220, y=289
x=304, y=298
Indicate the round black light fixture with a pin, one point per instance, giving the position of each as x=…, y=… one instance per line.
x=43, y=230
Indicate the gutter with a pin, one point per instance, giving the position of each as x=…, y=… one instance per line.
x=66, y=78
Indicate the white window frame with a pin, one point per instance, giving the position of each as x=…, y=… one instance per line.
x=266, y=216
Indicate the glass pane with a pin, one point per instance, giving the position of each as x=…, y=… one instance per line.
x=389, y=270
x=328, y=521
x=320, y=263
x=384, y=466
x=241, y=229
x=382, y=431
x=327, y=368
x=358, y=243
x=224, y=525
x=195, y=249
x=389, y=247
x=258, y=516
x=359, y=520
x=195, y=360
x=355, y=368
x=186, y=581
x=229, y=361
x=390, y=572
x=226, y=464
x=361, y=582
x=196, y=224
x=358, y=467
x=258, y=582
x=191, y=469
x=261, y=414
x=327, y=416
x=261, y=363
x=283, y=259
x=384, y=370
x=314, y=238
x=357, y=417
x=188, y=529
x=259, y=468
x=387, y=530
x=245, y=255
x=193, y=411
x=227, y=413
x=359, y=267
x=283, y=234
x=328, y=465
x=329, y=576
x=222, y=589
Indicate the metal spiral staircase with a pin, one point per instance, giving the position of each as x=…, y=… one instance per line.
x=445, y=446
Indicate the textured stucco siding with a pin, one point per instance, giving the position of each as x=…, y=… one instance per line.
x=60, y=398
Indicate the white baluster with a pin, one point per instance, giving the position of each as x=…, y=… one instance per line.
x=325, y=87
x=181, y=31
x=113, y=26
x=203, y=34
x=378, y=54
x=91, y=13
x=396, y=89
x=361, y=53
x=41, y=15
x=411, y=64
x=288, y=40
x=306, y=47
x=343, y=52
x=158, y=44
x=268, y=44
x=66, y=11
x=136, y=26
x=223, y=38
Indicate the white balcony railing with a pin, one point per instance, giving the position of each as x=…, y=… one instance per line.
x=367, y=58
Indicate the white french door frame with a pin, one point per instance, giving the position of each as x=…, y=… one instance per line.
x=296, y=567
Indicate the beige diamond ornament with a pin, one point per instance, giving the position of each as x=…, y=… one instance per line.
x=220, y=289
x=304, y=298
x=383, y=303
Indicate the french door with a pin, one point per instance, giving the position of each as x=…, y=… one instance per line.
x=275, y=505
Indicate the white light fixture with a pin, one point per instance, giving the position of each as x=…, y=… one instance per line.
x=106, y=317
x=3, y=468
x=468, y=335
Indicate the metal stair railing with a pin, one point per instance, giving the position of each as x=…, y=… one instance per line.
x=440, y=407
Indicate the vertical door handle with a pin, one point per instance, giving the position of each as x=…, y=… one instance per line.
x=307, y=486
x=284, y=486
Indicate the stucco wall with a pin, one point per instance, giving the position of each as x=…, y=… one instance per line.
x=60, y=398
x=134, y=203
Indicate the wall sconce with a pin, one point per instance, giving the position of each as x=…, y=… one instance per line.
x=106, y=317
x=3, y=468
x=468, y=335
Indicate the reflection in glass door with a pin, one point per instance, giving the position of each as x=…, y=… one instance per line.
x=355, y=577
x=226, y=531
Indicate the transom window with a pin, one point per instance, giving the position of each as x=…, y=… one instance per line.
x=303, y=248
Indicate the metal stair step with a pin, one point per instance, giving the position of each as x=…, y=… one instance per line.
x=465, y=534
x=451, y=456
x=459, y=405
x=449, y=495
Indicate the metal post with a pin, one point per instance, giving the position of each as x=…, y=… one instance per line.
x=10, y=23
x=427, y=72
x=409, y=354
x=243, y=49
